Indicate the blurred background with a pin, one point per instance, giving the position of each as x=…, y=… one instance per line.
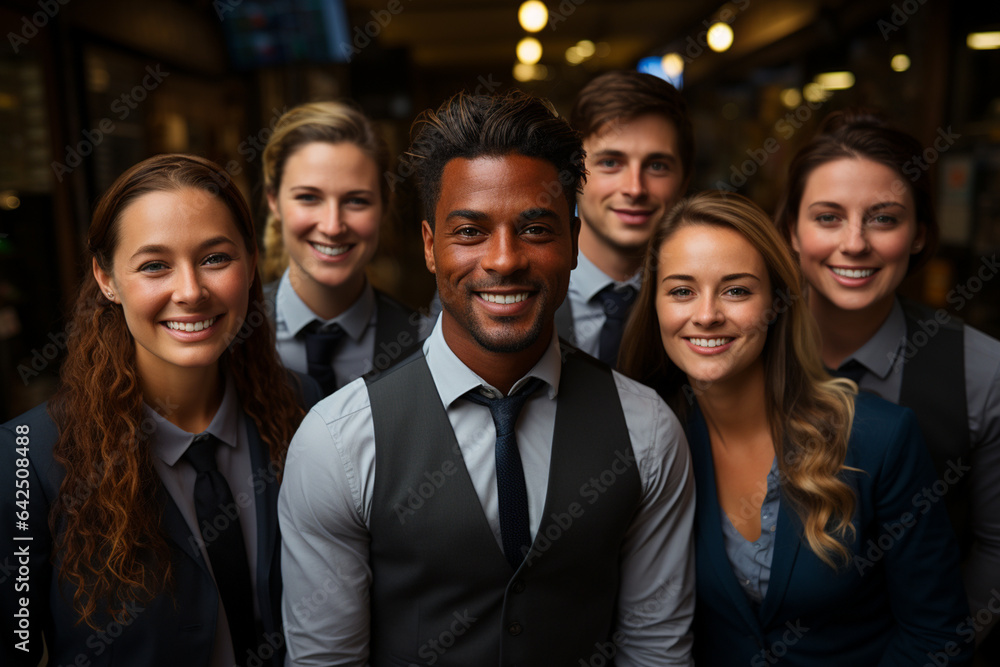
x=89, y=87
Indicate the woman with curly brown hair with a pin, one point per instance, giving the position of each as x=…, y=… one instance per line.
x=811, y=548
x=145, y=491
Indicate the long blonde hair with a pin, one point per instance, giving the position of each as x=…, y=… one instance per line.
x=329, y=122
x=809, y=413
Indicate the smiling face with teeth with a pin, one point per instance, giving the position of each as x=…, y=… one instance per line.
x=329, y=204
x=713, y=300
x=502, y=249
x=855, y=233
x=181, y=274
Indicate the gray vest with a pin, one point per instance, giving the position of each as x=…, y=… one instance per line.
x=933, y=386
x=442, y=592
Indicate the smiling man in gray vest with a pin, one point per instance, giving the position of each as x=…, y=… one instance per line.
x=498, y=498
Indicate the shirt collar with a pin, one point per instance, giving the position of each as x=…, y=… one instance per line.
x=169, y=442
x=879, y=352
x=453, y=378
x=293, y=314
x=590, y=280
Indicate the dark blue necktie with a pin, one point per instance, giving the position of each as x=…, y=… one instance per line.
x=320, y=346
x=223, y=537
x=616, y=304
x=511, y=489
x=852, y=370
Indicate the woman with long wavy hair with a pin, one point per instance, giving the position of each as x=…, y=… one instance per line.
x=145, y=491
x=810, y=546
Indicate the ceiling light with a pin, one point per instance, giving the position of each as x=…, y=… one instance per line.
x=673, y=65
x=573, y=56
x=720, y=37
x=900, y=62
x=813, y=92
x=525, y=73
x=835, y=80
x=982, y=41
x=529, y=51
x=791, y=97
x=533, y=15
x=586, y=48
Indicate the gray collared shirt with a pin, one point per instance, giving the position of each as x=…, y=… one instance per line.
x=585, y=282
x=354, y=352
x=325, y=501
x=751, y=560
x=169, y=442
x=881, y=357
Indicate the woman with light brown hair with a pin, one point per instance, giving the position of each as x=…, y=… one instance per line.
x=807, y=541
x=327, y=197
x=858, y=210
x=146, y=489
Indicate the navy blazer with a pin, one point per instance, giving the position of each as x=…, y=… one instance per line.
x=174, y=628
x=899, y=601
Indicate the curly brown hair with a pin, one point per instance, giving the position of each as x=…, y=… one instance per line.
x=107, y=517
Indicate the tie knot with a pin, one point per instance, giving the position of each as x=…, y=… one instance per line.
x=505, y=409
x=201, y=453
x=851, y=369
x=316, y=330
x=616, y=301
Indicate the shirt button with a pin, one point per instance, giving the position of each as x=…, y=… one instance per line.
x=773, y=528
x=518, y=587
x=746, y=582
x=514, y=629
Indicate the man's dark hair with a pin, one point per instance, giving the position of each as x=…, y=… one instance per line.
x=471, y=126
x=626, y=95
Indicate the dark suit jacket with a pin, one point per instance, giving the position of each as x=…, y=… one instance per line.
x=899, y=600
x=172, y=629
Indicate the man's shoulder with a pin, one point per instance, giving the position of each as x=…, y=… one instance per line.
x=350, y=401
x=985, y=349
x=355, y=397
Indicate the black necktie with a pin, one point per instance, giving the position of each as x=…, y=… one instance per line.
x=222, y=533
x=320, y=344
x=852, y=370
x=511, y=489
x=616, y=304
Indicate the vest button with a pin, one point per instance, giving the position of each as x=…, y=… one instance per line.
x=514, y=629
x=518, y=587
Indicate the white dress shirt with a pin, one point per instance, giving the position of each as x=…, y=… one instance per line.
x=325, y=502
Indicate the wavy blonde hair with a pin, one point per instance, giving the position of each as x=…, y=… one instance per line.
x=329, y=122
x=809, y=413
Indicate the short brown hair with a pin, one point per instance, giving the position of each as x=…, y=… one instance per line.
x=627, y=94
